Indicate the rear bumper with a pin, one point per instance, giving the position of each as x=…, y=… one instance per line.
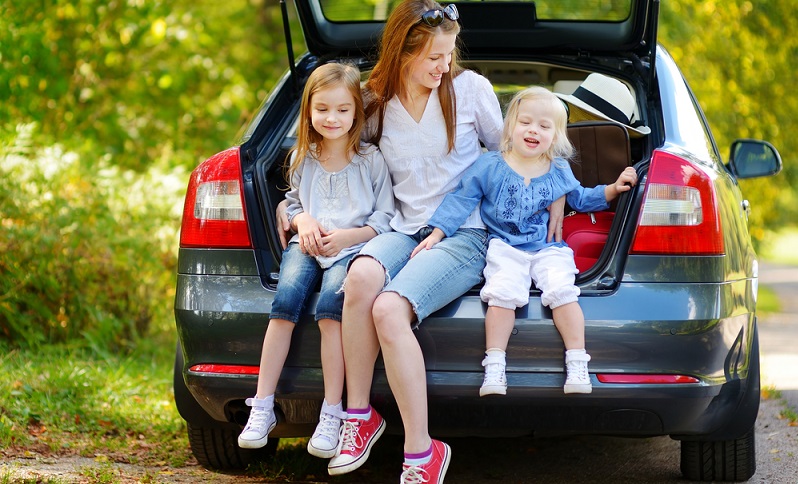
x=703, y=330
x=534, y=404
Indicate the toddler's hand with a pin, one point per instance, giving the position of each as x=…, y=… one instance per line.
x=436, y=236
x=627, y=180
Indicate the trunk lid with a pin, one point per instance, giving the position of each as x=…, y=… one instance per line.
x=494, y=28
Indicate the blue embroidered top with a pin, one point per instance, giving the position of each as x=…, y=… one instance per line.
x=513, y=211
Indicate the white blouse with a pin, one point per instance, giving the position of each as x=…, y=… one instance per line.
x=421, y=169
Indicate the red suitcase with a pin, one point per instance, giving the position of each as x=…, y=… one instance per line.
x=586, y=234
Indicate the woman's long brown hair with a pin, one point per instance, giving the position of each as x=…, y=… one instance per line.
x=404, y=38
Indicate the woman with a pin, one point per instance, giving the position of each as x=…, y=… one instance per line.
x=428, y=117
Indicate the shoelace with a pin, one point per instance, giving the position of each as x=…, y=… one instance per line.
x=577, y=370
x=328, y=427
x=493, y=372
x=349, y=436
x=414, y=475
x=258, y=419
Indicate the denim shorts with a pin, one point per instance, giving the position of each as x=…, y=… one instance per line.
x=299, y=276
x=435, y=277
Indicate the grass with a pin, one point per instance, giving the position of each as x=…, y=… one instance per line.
x=779, y=249
x=787, y=413
x=767, y=300
x=781, y=246
x=67, y=401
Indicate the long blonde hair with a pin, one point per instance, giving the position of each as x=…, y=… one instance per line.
x=308, y=140
x=561, y=146
x=404, y=39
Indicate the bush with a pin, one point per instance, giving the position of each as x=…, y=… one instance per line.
x=87, y=250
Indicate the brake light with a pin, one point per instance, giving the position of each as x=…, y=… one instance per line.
x=645, y=379
x=225, y=369
x=680, y=212
x=213, y=214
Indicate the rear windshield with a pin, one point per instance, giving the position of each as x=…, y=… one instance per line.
x=588, y=10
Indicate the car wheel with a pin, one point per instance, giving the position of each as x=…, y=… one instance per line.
x=213, y=443
x=216, y=448
x=725, y=460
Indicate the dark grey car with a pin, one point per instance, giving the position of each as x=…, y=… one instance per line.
x=669, y=298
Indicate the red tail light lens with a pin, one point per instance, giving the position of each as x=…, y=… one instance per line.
x=225, y=369
x=680, y=213
x=213, y=214
x=645, y=379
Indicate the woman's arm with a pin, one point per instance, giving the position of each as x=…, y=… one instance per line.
x=556, y=216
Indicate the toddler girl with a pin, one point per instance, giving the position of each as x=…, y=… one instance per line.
x=515, y=186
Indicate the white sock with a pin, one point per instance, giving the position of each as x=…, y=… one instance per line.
x=496, y=352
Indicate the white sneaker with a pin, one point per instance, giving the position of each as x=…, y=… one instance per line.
x=325, y=439
x=495, y=382
x=261, y=421
x=577, y=379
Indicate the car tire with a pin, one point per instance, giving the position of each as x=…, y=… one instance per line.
x=725, y=460
x=213, y=443
x=216, y=448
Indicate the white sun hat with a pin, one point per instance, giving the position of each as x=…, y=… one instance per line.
x=602, y=97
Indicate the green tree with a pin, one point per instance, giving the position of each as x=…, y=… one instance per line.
x=141, y=80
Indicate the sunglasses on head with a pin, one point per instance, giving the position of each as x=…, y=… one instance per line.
x=435, y=17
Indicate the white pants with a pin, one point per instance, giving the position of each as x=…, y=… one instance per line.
x=510, y=271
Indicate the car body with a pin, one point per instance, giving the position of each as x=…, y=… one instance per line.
x=670, y=304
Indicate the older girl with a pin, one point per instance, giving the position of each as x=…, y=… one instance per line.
x=340, y=197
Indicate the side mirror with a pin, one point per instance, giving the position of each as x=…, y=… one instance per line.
x=750, y=158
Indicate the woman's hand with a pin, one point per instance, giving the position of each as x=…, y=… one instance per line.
x=556, y=216
x=283, y=225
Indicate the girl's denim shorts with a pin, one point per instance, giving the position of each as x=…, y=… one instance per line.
x=434, y=277
x=299, y=277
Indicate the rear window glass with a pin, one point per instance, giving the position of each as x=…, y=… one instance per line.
x=587, y=10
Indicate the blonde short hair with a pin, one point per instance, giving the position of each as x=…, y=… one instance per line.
x=561, y=146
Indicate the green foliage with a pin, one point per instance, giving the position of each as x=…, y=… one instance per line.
x=140, y=80
x=86, y=249
x=120, y=407
x=738, y=58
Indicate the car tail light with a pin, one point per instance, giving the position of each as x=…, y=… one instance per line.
x=680, y=213
x=213, y=214
x=225, y=369
x=645, y=379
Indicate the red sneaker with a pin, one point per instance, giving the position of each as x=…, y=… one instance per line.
x=357, y=438
x=432, y=471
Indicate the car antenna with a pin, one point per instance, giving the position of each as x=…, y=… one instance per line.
x=289, y=46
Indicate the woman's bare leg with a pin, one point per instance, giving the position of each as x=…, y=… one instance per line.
x=404, y=365
x=364, y=281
